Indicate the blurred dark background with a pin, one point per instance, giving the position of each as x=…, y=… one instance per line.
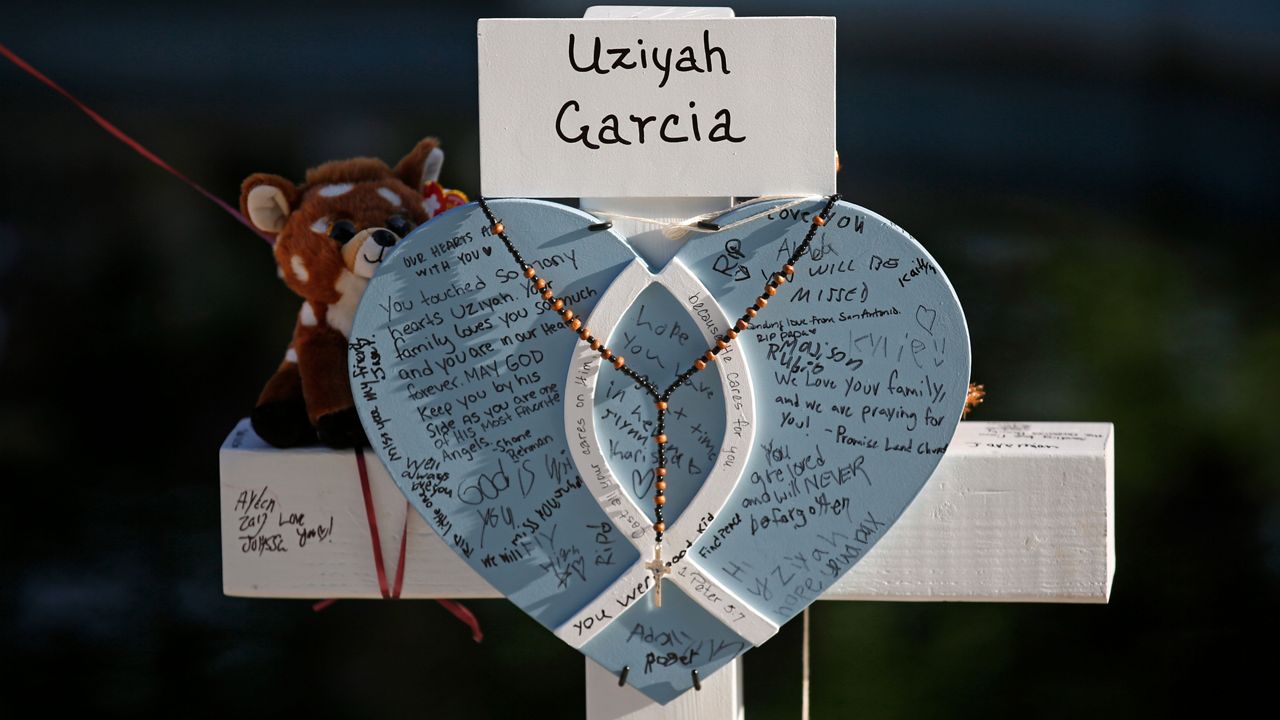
x=1099, y=179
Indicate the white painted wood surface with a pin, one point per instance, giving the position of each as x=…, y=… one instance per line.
x=1015, y=512
x=719, y=699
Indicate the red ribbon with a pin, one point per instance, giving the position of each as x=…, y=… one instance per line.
x=392, y=592
x=388, y=592
x=136, y=146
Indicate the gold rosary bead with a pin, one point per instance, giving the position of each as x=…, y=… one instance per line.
x=619, y=361
x=498, y=228
x=710, y=356
x=662, y=405
x=606, y=353
x=699, y=364
x=539, y=283
x=770, y=290
x=721, y=344
x=662, y=472
x=557, y=305
x=547, y=294
x=568, y=314
x=529, y=272
x=659, y=527
x=752, y=311
x=741, y=324
x=819, y=220
x=661, y=438
x=595, y=344
x=575, y=323
x=661, y=485
x=660, y=500
x=732, y=333
x=762, y=301
x=788, y=270
x=583, y=332
x=780, y=279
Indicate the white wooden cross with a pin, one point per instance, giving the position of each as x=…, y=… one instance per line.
x=1015, y=511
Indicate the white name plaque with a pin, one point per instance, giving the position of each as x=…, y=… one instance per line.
x=657, y=107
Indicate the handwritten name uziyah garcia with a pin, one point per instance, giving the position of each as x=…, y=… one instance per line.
x=611, y=130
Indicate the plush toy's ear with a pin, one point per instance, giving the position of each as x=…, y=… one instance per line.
x=422, y=165
x=267, y=200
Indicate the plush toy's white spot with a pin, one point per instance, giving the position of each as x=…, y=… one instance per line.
x=308, y=314
x=431, y=205
x=342, y=314
x=335, y=190
x=320, y=226
x=390, y=196
x=299, y=268
x=291, y=355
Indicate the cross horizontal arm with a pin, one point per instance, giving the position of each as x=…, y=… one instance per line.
x=1015, y=512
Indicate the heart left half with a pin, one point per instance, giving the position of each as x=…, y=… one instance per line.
x=460, y=373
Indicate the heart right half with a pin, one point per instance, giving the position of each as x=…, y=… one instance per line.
x=860, y=365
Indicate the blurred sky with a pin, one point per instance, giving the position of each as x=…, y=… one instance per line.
x=1099, y=179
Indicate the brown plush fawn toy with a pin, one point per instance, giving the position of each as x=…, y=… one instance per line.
x=331, y=233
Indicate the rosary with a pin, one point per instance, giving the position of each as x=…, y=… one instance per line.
x=657, y=566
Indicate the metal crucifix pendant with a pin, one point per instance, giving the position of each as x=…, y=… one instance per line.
x=659, y=570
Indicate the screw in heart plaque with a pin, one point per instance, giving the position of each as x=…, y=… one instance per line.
x=787, y=458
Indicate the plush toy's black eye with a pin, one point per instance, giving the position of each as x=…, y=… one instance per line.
x=342, y=230
x=399, y=225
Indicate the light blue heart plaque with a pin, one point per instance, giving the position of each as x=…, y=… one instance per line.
x=788, y=457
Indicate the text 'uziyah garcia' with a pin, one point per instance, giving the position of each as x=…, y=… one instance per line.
x=670, y=127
